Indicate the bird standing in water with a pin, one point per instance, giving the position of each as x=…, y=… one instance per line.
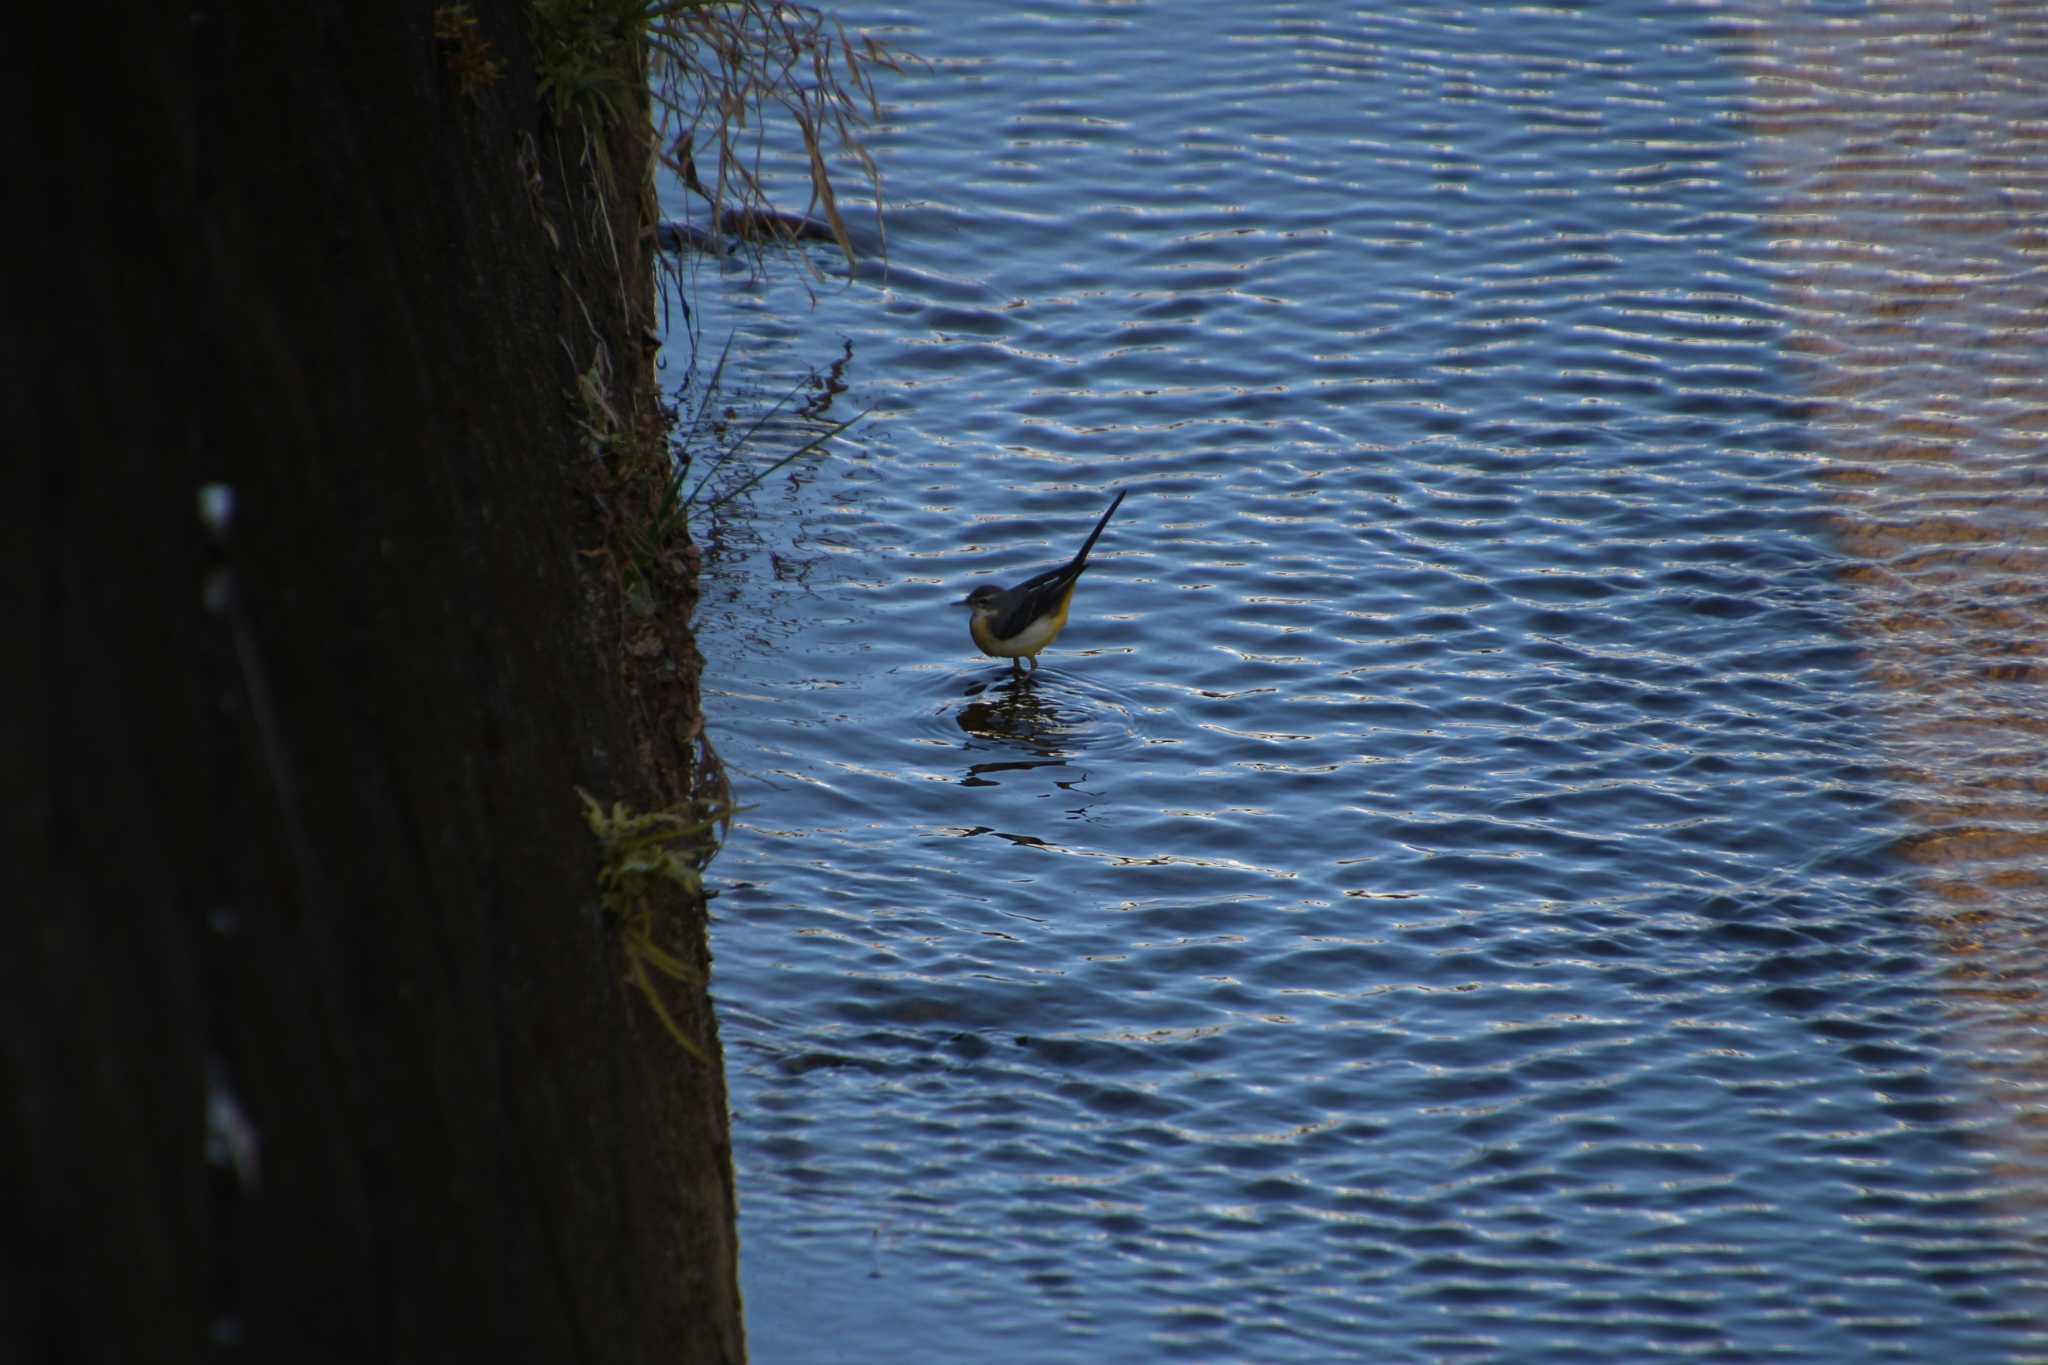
x=1015, y=623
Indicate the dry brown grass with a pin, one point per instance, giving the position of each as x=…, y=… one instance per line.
x=722, y=74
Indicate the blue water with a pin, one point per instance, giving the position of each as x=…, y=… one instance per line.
x=1438, y=899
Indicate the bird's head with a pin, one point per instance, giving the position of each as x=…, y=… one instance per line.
x=985, y=600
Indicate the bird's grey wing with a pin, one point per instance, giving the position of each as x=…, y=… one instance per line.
x=1037, y=597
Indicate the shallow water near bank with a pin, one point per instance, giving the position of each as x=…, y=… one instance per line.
x=1439, y=899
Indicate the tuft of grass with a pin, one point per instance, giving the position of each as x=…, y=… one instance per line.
x=722, y=73
x=595, y=416
x=728, y=444
x=587, y=57
x=647, y=857
x=719, y=69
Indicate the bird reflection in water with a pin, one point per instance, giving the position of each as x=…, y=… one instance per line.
x=1016, y=717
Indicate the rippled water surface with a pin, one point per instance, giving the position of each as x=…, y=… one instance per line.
x=1439, y=899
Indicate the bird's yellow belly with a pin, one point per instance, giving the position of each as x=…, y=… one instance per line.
x=1027, y=642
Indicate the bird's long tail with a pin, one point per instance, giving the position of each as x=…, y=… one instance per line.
x=1082, y=557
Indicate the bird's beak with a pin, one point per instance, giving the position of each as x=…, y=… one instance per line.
x=962, y=602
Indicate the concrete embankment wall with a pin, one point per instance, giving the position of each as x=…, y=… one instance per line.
x=315, y=1045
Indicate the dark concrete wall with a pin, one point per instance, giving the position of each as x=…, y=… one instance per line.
x=320, y=850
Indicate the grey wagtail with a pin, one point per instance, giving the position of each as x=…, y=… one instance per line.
x=1015, y=623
